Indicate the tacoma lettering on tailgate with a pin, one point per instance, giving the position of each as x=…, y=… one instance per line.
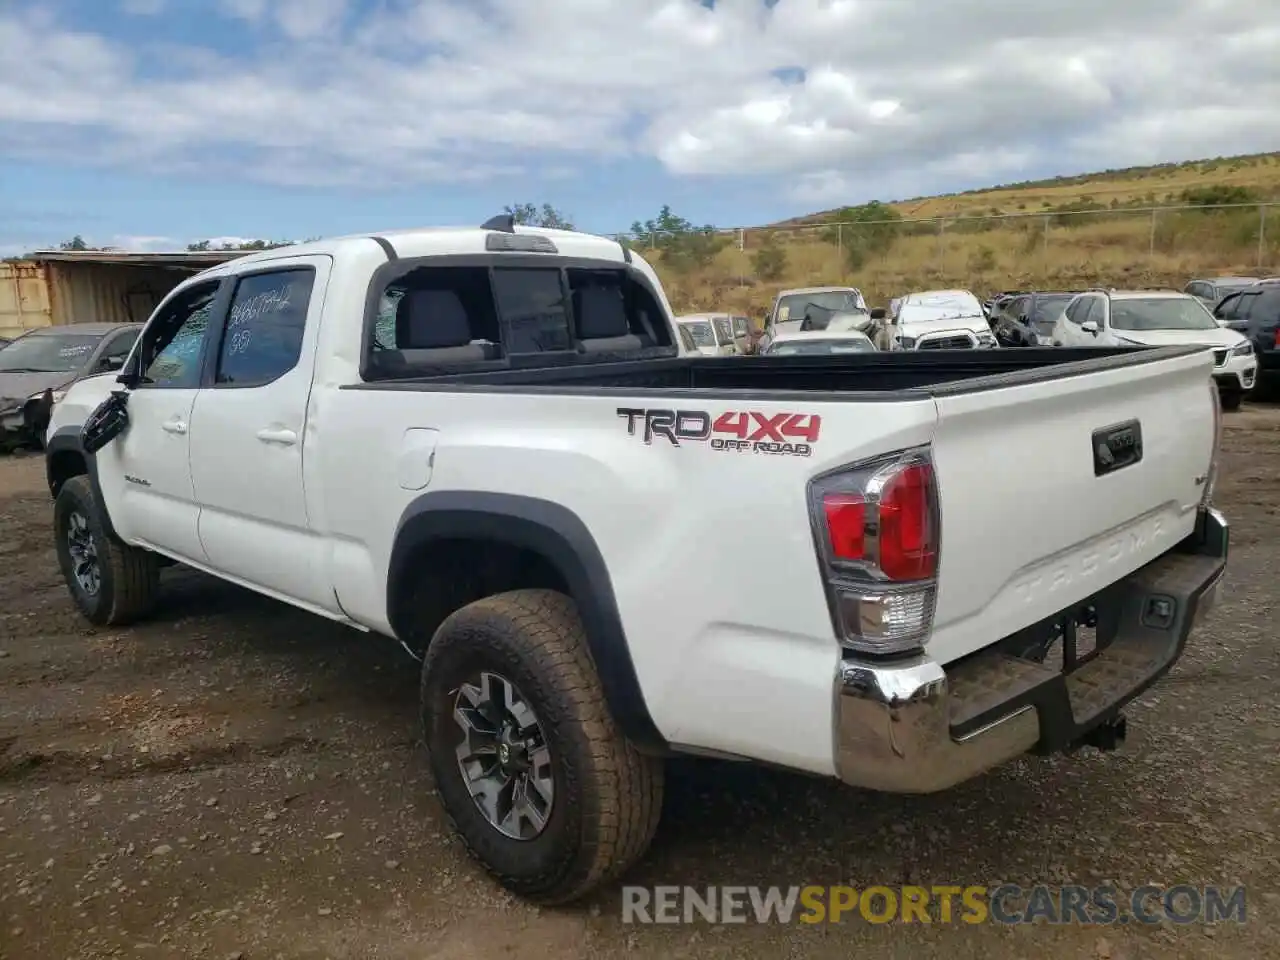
x=745, y=431
x=1090, y=563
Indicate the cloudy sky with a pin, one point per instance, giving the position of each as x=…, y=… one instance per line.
x=148, y=123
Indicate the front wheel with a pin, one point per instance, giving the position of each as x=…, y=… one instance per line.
x=1231, y=399
x=535, y=776
x=111, y=582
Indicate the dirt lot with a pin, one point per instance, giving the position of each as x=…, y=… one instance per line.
x=235, y=779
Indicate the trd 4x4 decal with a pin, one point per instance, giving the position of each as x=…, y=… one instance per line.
x=736, y=431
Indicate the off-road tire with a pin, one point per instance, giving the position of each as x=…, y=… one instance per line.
x=129, y=577
x=608, y=795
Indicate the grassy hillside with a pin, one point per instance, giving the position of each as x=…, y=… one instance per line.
x=1150, y=186
x=1074, y=232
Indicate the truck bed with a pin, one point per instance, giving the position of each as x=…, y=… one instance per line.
x=864, y=376
x=1014, y=437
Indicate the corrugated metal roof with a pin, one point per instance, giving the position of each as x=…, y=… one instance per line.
x=187, y=259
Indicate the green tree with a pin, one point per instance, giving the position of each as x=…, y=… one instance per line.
x=1218, y=195
x=75, y=243
x=769, y=259
x=201, y=246
x=548, y=216
x=683, y=245
x=865, y=229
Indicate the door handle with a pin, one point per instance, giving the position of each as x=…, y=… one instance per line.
x=175, y=425
x=286, y=437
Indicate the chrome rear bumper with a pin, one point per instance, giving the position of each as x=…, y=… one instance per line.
x=917, y=727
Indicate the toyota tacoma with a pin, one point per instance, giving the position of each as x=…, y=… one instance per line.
x=483, y=443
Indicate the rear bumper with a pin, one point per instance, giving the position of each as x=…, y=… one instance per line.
x=917, y=727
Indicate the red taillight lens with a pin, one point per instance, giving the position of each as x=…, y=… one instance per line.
x=876, y=526
x=846, y=525
x=906, y=542
x=1277, y=340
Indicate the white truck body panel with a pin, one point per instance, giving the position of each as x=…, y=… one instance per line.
x=740, y=664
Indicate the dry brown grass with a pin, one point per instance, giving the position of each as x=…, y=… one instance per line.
x=1154, y=185
x=1116, y=248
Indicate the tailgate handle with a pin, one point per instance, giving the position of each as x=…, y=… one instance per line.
x=1116, y=447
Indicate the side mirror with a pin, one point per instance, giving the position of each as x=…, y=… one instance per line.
x=108, y=421
x=1089, y=326
x=111, y=363
x=878, y=313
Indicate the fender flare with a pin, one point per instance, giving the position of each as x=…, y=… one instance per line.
x=67, y=440
x=560, y=536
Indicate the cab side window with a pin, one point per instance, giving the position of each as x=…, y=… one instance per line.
x=262, y=340
x=173, y=346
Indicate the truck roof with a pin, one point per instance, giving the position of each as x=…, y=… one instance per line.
x=438, y=241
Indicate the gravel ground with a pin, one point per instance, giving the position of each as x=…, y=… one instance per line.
x=237, y=779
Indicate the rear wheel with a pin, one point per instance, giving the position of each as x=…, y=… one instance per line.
x=111, y=582
x=536, y=778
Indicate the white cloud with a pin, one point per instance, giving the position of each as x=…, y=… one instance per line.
x=896, y=98
x=251, y=10
x=135, y=244
x=296, y=19
x=126, y=242
x=216, y=243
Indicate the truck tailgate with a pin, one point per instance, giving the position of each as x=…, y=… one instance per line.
x=1030, y=526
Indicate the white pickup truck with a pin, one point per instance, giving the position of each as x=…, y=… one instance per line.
x=482, y=443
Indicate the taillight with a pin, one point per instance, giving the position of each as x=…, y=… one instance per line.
x=846, y=525
x=1211, y=479
x=906, y=541
x=877, y=524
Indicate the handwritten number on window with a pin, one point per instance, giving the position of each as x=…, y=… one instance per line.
x=239, y=341
x=259, y=305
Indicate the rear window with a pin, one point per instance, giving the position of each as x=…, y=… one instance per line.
x=700, y=332
x=1048, y=309
x=535, y=306
x=485, y=315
